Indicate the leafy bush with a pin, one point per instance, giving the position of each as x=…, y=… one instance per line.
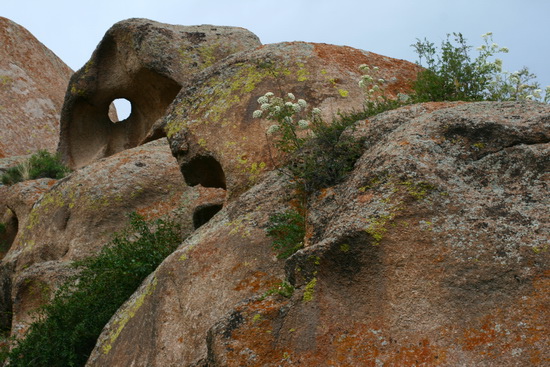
x=66, y=330
x=287, y=230
x=452, y=74
x=319, y=153
x=40, y=165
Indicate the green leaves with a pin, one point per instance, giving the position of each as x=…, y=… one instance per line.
x=287, y=230
x=454, y=75
x=40, y=165
x=65, y=331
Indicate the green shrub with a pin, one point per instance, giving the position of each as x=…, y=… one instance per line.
x=66, y=330
x=452, y=74
x=288, y=231
x=326, y=158
x=40, y=165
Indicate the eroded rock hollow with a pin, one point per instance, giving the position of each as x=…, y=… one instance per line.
x=146, y=63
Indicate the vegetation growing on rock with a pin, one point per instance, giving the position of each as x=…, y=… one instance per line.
x=42, y=164
x=66, y=330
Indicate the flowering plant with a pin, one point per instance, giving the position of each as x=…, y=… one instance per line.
x=318, y=153
x=292, y=123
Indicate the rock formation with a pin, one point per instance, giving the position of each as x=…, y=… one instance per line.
x=432, y=252
x=210, y=125
x=59, y=222
x=145, y=62
x=32, y=85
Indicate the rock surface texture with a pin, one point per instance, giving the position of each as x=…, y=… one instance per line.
x=210, y=124
x=33, y=81
x=146, y=63
x=62, y=221
x=434, y=252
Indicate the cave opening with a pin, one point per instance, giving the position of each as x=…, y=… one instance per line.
x=8, y=231
x=204, y=170
x=204, y=213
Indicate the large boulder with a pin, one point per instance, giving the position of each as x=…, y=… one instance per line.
x=434, y=251
x=66, y=220
x=33, y=81
x=146, y=63
x=210, y=126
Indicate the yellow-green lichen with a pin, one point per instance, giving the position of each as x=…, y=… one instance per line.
x=302, y=73
x=418, y=190
x=77, y=91
x=541, y=249
x=343, y=93
x=344, y=247
x=204, y=55
x=252, y=169
x=309, y=290
x=257, y=317
x=5, y=79
x=240, y=226
x=184, y=256
x=377, y=226
x=128, y=314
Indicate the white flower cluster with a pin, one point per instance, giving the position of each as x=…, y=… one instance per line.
x=517, y=86
x=283, y=111
x=370, y=81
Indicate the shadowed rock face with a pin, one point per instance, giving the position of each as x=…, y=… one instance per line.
x=146, y=63
x=210, y=124
x=33, y=81
x=433, y=252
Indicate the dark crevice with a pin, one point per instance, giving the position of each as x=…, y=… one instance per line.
x=8, y=232
x=6, y=273
x=204, y=170
x=204, y=213
x=482, y=155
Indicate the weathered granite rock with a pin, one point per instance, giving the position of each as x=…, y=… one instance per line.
x=145, y=62
x=225, y=261
x=77, y=215
x=433, y=252
x=210, y=124
x=33, y=81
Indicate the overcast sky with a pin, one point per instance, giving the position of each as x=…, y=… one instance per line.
x=72, y=29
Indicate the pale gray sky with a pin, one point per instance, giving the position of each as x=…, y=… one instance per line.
x=72, y=29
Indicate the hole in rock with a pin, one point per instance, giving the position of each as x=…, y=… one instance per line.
x=204, y=213
x=9, y=225
x=8, y=231
x=6, y=306
x=204, y=170
x=123, y=109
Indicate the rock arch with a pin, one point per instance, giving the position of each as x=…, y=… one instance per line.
x=147, y=63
